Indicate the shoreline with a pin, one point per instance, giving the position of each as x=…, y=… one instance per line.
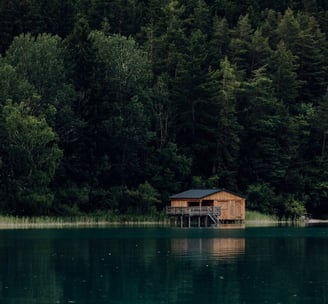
x=93, y=222
x=317, y=221
x=104, y=224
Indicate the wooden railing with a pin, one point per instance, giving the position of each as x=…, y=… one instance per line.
x=194, y=211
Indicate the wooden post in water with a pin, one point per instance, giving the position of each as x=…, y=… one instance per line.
x=199, y=222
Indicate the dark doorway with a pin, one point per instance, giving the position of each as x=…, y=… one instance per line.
x=193, y=204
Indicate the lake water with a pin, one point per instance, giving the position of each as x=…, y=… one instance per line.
x=164, y=265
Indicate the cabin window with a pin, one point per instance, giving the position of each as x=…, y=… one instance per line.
x=193, y=204
x=207, y=203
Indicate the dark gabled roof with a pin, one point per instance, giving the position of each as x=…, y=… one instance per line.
x=199, y=193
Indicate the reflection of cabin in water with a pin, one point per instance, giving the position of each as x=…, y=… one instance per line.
x=206, y=207
x=219, y=248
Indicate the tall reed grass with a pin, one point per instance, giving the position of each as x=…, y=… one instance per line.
x=254, y=216
x=9, y=221
x=108, y=219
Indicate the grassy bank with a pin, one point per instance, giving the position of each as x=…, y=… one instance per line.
x=257, y=219
x=109, y=219
x=254, y=216
x=9, y=221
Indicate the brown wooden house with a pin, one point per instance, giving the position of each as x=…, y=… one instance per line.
x=207, y=207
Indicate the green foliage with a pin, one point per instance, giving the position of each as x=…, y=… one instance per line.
x=178, y=93
x=37, y=68
x=30, y=154
x=169, y=170
x=143, y=200
x=122, y=64
x=219, y=126
x=261, y=197
x=40, y=61
x=69, y=201
x=12, y=85
x=240, y=44
x=219, y=41
x=265, y=138
x=284, y=75
x=34, y=203
x=302, y=35
x=211, y=182
x=293, y=209
x=121, y=107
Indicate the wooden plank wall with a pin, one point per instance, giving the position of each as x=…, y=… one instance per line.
x=232, y=206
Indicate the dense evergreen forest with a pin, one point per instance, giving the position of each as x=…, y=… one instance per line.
x=115, y=105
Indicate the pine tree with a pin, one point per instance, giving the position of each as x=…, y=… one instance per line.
x=265, y=120
x=284, y=75
x=269, y=26
x=303, y=37
x=311, y=48
x=81, y=62
x=240, y=44
x=187, y=91
x=199, y=18
x=218, y=42
x=259, y=51
x=288, y=30
x=219, y=129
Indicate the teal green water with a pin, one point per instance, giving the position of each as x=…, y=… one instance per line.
x=163, y=265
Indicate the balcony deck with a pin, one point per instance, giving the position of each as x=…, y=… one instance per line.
x=211, y=212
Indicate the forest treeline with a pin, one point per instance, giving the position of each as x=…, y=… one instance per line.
x=116, y=105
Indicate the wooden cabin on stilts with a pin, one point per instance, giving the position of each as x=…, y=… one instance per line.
x=206, y=207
